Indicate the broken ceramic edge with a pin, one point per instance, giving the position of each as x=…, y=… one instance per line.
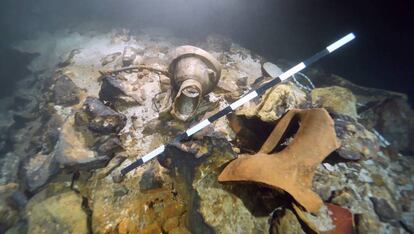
x=194, y=74
x=187, y=100
x=291, y=169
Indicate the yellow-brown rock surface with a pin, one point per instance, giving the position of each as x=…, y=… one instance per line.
x=293, y=168
x=336, y=99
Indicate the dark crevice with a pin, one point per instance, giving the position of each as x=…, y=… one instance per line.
x=88, y=211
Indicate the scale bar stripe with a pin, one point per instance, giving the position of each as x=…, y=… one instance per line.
x=268, y=85
x=292, y=71
x=220, y=114
x=198, y=127
x=334, y=46
x=316, y=57
x=243, y=100
x=259, y=91
x=153, y=154
x=132, y=166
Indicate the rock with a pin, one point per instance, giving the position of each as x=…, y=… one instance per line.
x=276, y=102
x=62, y=213
x=367, y=224
x=179, y=230
x=115, y=211
x=324, y=191
x=170, y=224
x=394, y=119
x=343, y=198
x=51, y=134
x=114, y=163
x=407, y=220
x=364, y=95
x=9, y=213
x=65, y=92
x=320, y=223
x=286, y=222
x=108, y=146
x=19, y=228
x=120, y=94
x=100, y=118
x=216, y=204
x=406, y=200
x=121, y=191
x=18, y=200
x=384, y=210
x=150, y=180
x=356, y=141
x=125, y=227
x=129, y=56
x=38, y=169
x=335, y=99
x=72, y=149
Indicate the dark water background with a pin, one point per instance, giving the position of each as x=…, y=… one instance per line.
x=382, y=55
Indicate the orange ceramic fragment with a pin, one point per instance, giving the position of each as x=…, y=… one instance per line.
x=342, y=219
x=291, y=169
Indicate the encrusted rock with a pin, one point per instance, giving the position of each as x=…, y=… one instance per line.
x=65, y=92
x=219, y=204
x=335, y=99
x=100, y=118
x=62, y=213
x=384, y=210
x=72, y=149
x=394, y=119
x=150, y=179
x=9, y=213
x=356, y=141
x=322, y=222
x=343, y=198
x=123, y=208
x=286, y=222
x=120, y=94
x=275, y=103
x=407, y=220
x=108, y=145
x=51, y=134
x=367, y=224
x=38, y=169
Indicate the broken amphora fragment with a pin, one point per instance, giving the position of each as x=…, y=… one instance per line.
x=194, y=74
x=291, y=169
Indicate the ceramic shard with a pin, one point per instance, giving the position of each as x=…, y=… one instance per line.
x=291, y=169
